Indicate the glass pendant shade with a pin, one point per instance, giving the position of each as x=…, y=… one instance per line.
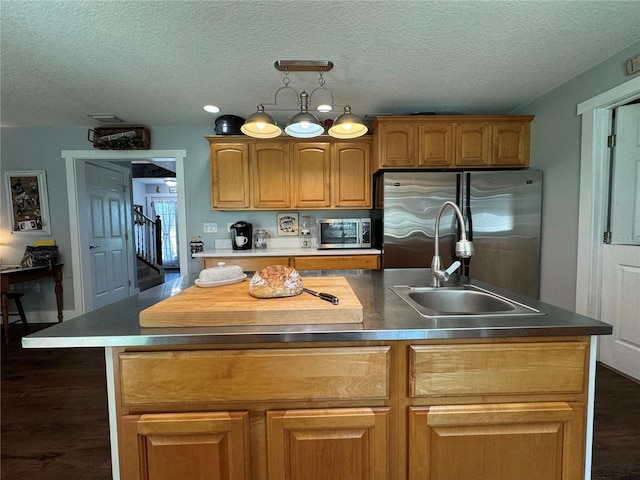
x=304, y=125
x=261, y=125
x=348, y=125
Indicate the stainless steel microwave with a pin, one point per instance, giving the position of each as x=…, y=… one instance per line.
x=344, y=233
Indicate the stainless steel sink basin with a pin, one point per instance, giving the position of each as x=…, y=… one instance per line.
x=460, y=301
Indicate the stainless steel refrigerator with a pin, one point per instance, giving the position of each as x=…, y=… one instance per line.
x=502, y=211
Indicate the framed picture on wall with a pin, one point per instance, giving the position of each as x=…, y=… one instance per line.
x=287, y=224
x=28, y=202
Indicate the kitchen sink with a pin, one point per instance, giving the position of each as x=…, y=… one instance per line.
x=461, y=301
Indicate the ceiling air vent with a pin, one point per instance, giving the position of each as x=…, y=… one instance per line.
x=107, y=118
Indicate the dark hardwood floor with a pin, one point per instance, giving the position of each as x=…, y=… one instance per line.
x=55, y=422
x=616, y=442
x=54, y=413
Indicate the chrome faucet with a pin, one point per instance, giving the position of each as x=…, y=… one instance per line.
x=464, y=248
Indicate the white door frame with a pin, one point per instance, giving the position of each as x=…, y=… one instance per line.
x=594, y=175
x=71, y=157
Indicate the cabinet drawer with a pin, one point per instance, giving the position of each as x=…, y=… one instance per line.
x=506, y=369
x=296, y=374
x=338, y=262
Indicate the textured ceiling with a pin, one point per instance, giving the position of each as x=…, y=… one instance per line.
x=156, y=63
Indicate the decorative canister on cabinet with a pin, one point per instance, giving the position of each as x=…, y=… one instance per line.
x=197, y=245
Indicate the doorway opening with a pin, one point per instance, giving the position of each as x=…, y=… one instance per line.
x=74, y=162
x=608, y=275
x=156, y=223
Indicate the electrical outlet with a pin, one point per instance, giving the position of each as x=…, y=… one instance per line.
x=229, y=227
x=210, y=227
x=35, y=287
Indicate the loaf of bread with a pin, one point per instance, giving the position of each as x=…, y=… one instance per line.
x=275, y=281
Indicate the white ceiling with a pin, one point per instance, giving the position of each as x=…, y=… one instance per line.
x=156, y=63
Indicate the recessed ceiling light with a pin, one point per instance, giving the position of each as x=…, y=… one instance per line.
x=211, y=108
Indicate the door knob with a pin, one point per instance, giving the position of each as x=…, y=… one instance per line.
x=91, y=247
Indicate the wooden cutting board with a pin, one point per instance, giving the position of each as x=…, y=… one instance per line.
x=231, y=305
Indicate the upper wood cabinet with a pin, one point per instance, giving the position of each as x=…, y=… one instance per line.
x=435, y=145
x=451, y=141
x=395, y=143
x=230, y=175
x=311, y=175
x=270, y=175
x=511, y=143
x=351, y=179
x=289, y=174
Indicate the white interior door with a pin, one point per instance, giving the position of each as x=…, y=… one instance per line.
x=103, y=238
x=620, y=305
x=621, y=308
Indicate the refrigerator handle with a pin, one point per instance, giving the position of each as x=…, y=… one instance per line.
x=467, y=207
x=469, y=221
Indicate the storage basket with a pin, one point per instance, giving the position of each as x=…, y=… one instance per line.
x=120, y=138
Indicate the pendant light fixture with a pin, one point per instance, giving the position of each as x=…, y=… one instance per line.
x=303, y=124
x=261, y=125
x=347, y=125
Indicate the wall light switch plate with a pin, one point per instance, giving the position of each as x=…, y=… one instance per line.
x=210, y=227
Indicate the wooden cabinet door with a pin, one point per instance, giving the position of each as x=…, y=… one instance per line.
x=511, y=144
x=351, y=179
x=435, y=147
x=270, y=177
x=311, y=175
x=396, y=145
x=229, y=175
x=337, y=262
x=347, y=443
x=205, y=446
x=527, y=441
x=473, y=144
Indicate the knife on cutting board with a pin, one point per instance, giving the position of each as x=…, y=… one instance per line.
x=324, y=296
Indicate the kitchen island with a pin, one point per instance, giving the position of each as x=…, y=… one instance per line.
x=398, y=396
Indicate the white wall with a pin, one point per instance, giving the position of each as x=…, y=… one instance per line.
x=555, y=149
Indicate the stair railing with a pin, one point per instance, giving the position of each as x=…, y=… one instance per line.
x=148, y=239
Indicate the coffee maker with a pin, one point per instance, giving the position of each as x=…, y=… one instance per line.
x=241, y=235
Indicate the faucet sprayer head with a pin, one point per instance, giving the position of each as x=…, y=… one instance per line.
x=464, y=248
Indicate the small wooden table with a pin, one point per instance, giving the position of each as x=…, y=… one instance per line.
x=17, y=274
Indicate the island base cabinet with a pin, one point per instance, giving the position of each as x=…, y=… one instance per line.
x=461, y=409
x=203, y=446
x=341, y=443
x=527, y=441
